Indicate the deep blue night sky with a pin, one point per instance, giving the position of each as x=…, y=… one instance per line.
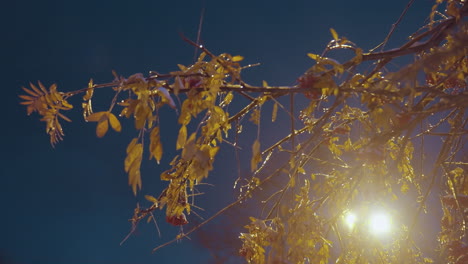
x=71, y=204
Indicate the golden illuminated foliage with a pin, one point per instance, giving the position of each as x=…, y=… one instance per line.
x=359, y=137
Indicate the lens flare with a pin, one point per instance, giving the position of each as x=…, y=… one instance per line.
x=350, y=220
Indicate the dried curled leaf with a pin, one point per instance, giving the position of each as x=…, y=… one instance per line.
x=87, y=104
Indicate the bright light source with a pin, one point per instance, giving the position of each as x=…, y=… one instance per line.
x=350, y=220
x=379, y=223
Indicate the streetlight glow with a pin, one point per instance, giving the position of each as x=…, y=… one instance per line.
x=379, y=223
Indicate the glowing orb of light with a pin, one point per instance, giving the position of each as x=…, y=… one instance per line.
x=350, y=220
x=379, y=223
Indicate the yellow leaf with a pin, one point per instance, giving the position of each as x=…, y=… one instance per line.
x=141, y=115
x=404, y=187
x=95, y=117
x=274, y=113
x=356, y=79
x=336, y=65
x=314, y=56
x=42, y=87
x=35, y=89
x=358, y=58
x=185, y=117
x=149, y=219
x=428, y=260
x=102, y=126
x=131, y=154
x=452, y=10
x=256, y=155
x=151, y=198
x=301, y=170
x=30, y=92
x=182, y=138
x=64, y=117
x=114, y=122
x=255, y=116
x=237, y=58
x=334, y=34
x=227, y=100
x=213, y=151
x=134, y=177
x=182, y=67
x=132, y=165
x=27, y=97
x=131, y=145
x=66, y=104
x=190, y=147
x=156, y=149
x=90, y=91
x=178, y=85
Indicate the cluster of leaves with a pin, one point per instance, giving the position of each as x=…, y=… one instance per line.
x=360, y=142
x=48, y=104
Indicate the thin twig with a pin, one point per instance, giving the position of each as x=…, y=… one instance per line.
x=394, y=26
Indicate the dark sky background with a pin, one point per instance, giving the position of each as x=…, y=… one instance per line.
x=71, y=204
